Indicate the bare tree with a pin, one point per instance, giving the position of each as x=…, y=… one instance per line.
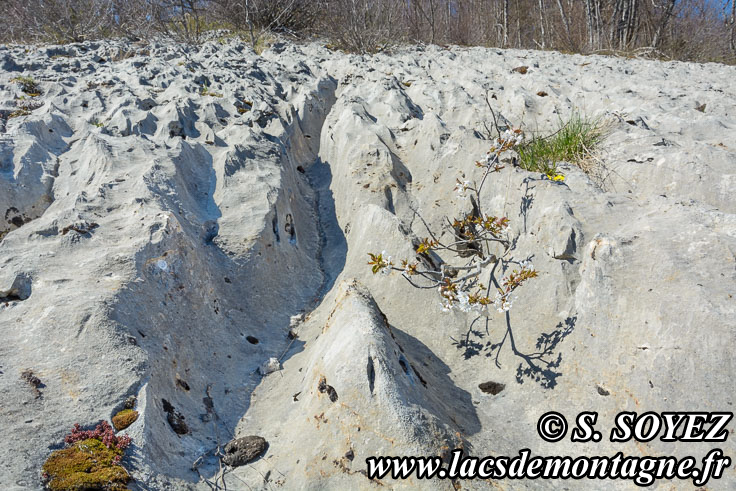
x=625, y=23
x=541, y=25
x=362, y=26
x=505, y=23
x=182, y=20
x=565, y=22
x=133, y=19
x=669, y=7
x=59, y=21
x=592, y=23
x=732, y=22
x=258, y=17
x=427, y=13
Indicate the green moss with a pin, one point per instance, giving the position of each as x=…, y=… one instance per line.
x=124, y=418
x=86, y=465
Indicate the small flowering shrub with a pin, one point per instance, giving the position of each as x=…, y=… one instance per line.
x=103, y=432
x=478, y=239
x=91, y=460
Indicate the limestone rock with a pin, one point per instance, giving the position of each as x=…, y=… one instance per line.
x=160, y=243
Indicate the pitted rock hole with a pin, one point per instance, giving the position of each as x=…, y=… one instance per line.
x=492, y=388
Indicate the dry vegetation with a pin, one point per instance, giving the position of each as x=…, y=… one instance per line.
x=699, y=30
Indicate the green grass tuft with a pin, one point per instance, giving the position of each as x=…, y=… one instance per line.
x=573, y=142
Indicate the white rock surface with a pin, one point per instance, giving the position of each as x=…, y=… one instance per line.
x=165, y=254
x=269, y=366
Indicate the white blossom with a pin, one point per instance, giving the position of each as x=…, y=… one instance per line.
x=447, y=306
x=461, y=190
x=526, y=264
x=502, y=302
x=464, y=302
x=385, y=263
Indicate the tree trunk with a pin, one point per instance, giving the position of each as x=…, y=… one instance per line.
x=565, y=23
x=506, y=23
x=733, y=26
x=541, y=23
x=591, y=24
x=615, y=20
x=663, y=23
x=625, y=22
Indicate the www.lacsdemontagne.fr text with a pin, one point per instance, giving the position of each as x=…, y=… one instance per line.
x=643, y=471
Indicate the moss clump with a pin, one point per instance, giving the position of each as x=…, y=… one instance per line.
x=23, y=111
x=86, y=465
x=124, y=418
x=28, y=85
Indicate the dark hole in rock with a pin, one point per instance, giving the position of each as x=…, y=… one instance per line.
x=275, y=224
x=130, y=402
x=419, y=376
x=289, y=228
x=175, y=418
x=14, y=217
x=147, y=104
x=350, y=455
x=371, y=374
x=244, y=450
x=602, y=391
x=492, y=388
x=227, y=280
x=82, y=228
x=209, y=404
x=30, y=378
x=251, y=339
x=402, y=361
x=182, y=384
x=300, y=169
x=211, y=230
x=328, y=389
